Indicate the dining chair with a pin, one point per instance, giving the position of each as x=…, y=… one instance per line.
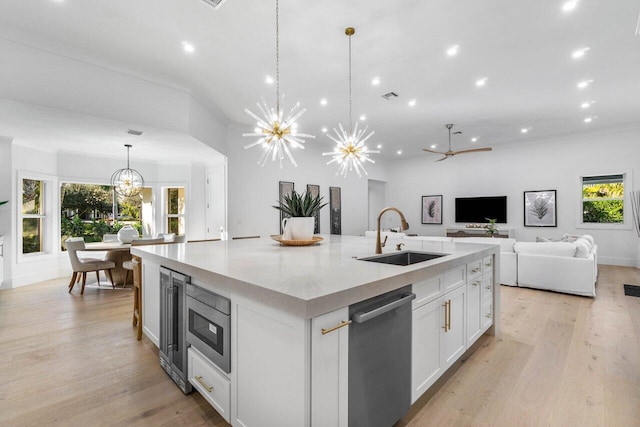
x=128, y=265
x=81, y=266
x=110, y=237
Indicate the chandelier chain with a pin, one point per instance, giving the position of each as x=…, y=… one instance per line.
x=277, y=57
x=350, y=112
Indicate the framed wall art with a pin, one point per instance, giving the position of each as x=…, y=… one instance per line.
x=432, y=209
x=286, y=188
x=335, y=205
x=540, y=208
x=314, y=190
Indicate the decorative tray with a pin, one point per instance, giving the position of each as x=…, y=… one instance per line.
x=314, y=239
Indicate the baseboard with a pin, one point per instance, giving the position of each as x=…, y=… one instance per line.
x=37, y=277
x=623, y=262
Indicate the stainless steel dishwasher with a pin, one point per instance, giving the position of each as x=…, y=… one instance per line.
x=380, y=359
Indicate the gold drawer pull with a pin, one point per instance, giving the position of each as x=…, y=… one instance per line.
x=203, y=384
x=488, y=315
x=341, y=325
x=475, y=270
x=488, y=287
x=475, y=283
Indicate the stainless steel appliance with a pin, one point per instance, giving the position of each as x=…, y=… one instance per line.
x=209, y=325
x=173, y=350
x=380, y=359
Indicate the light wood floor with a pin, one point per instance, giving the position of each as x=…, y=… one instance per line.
x=561, y=360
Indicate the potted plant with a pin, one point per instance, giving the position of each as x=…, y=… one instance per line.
x=491, y=228
x=301, y=208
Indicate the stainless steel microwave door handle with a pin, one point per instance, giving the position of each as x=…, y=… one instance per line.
x=363, y=317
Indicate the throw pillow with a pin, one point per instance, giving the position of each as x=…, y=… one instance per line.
x=566, y=237
x=543, y=239
x=582, y=248
x=589, y=238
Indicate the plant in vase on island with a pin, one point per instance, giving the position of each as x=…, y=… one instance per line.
x=301, y=208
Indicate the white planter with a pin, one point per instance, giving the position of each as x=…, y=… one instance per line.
x=127, y=234
x=302, y=227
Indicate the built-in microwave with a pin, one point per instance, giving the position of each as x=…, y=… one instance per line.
x=209, y=325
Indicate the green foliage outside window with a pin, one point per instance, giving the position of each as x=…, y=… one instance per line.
x=603, y=203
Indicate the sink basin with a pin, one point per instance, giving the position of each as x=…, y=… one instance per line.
x=403, y=258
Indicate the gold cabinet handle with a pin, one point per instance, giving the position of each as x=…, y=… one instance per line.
x=488, y=287
x=449, y=316
x=203, y=384
x=446, y=310
x=488, y=315
x=341, y=325
x=475, y=283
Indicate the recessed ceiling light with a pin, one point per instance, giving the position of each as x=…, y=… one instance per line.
x=269, y=80
x=474, y=139
x=323, y=101
x=453, y=50
x=588, y=120
x=399, y=152
x=379, y=146
x=363, y=117
x=188, y=47
x=324, y=130
x=583, y=84
x=580, y=52
x=524, y=130
x=569, y=5
x=481, y=82
x=412, y=103
x=375, y=81
x=433, y=146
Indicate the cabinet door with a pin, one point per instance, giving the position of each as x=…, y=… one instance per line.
x=454, y=339
x=329, y=369
x=428, y=322
x=474, y=302
x=151, y=301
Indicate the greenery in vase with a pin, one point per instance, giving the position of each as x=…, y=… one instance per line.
x=491, y=228
x=300, y=205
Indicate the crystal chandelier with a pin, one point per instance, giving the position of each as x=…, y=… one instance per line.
x=277, y=134
x=127, y=182
x=350, y=152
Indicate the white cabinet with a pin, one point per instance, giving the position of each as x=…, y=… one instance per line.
x=428, y=321
x=454, y=341
x=329, y=368
x=151, y=301
x=438, y=332
x=474, y=307
x=210, y=382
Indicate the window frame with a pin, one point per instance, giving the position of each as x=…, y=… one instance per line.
x=627, y=180
x=50, y=239
x=165, y=206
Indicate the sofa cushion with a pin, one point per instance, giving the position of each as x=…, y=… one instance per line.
x=546, y=248
x=583, y=247
x=506, y=245
x=589, y=238
x=543, y=239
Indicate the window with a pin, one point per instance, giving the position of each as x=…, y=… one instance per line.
x=174, y=210
x=603, y=199
x=33, y=217
x=92, y=210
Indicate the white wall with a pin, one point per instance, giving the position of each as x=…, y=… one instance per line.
x=6, y=193
x=254, y=189
x=552, y=165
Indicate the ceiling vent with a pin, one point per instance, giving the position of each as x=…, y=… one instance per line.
x=214, y=3
x=390, y=95
x=134, y=132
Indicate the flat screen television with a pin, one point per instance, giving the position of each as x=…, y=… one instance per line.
x=478, y=209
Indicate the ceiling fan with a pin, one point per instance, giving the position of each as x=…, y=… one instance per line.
x=451, y=153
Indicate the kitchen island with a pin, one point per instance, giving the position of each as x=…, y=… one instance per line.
x=284, y=369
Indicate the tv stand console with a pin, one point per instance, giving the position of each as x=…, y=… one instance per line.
x=479, y=232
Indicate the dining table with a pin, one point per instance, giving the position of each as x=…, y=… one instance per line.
x=116, y=252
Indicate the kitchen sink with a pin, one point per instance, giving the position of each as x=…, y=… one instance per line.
x=403, y=258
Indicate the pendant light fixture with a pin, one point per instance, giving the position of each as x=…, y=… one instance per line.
x=350, y=152
x=277, y=135
x=127, y=182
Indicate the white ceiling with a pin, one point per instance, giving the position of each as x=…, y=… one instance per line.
x=523, y=47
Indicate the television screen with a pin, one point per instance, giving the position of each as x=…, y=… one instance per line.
x=478, y=209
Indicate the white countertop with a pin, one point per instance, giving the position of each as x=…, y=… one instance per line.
x=306, y=280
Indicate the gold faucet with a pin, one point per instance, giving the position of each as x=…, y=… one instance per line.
x=404, y=226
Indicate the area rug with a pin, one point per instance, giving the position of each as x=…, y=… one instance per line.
x=632, y=290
